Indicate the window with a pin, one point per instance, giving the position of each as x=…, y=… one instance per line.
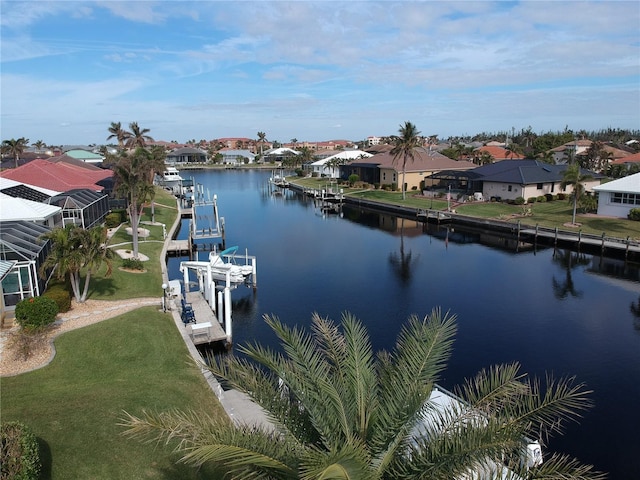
x=510, y=188
x=540, y=186
x=625, y=198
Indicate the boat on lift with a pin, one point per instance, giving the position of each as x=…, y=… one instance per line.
x=225, y=268
x=171, y=180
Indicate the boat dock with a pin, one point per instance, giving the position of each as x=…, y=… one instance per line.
x=436, y=216
x=207, y=328
x=178, y=247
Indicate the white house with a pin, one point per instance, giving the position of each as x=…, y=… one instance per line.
x=236, y=157
x=618, y=197
x=330, y=166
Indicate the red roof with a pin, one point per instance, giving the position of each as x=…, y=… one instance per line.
x=499, y=153
x=60, y=177
x=635, y=158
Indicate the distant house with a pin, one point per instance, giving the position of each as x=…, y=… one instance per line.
x=618, y=197
x=629, y=160
x=85, y=155
x=498, y=153
x=236, y=157
x=186, y=155
x=383, y=169
x=330, y=166
x=277, y=155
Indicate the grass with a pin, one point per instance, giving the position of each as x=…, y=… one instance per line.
x=128, y=363
x=553, y=214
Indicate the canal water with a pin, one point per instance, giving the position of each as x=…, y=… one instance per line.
x=554, y=311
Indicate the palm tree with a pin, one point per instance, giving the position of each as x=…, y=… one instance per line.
x=262, y=138
x=574, y=176
x=118, y=133
x=513, y=149
x=15, y=148
x=137, y=137
x=74, y=249
x=339, y=411
x=39, y=145
x=132, y=183
x=404, y=147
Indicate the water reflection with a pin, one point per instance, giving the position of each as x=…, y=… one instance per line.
x=567, y=261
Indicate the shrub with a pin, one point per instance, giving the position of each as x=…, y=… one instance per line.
x=519, y=201
x=376, y=186
x=353, y=178
x=36, y=312
x=414, y=188
x=394, y=187
x=562, y=196
x=112, y=220
x=300, y=172
x=132, y=264
x=531, y=200
x=541, y=199
x=59, y=294
x=123, y=214
x=634, y=214
x=19, y=455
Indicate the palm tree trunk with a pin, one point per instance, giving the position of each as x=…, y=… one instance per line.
x=85, y=291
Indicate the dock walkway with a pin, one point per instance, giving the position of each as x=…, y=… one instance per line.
x=207, y=329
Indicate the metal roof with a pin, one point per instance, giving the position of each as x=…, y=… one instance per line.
x=20, y=240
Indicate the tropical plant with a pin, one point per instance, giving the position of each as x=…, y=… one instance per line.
x=15, y=148
x=74, y=249
x=118, y=133
x=574, y=176
x=596, y=158
x=513, y=149
x=341, y=412
x=262, y=138
x=39, y=145
x=132, y=182
x=404, y=147
x=137, y=137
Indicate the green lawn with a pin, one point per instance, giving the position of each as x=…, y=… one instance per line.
x=129, y=363
x=546, y=214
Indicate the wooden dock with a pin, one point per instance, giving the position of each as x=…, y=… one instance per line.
x=207, y=329
x=178, y=247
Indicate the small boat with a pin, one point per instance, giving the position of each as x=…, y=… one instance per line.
x=224, y=264
x=279, y=180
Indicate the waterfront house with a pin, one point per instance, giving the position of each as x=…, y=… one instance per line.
x=330, y=166
x=278, y=155
x=497, y=152
x=186, y=155
x=383, y=169
x=236, y=157
x=618, y=197
x=85, y=156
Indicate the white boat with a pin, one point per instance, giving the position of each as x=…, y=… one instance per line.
x=443, y=404
x=225, y=264
x=278, y=179
x=171, y=180
x=225, y=268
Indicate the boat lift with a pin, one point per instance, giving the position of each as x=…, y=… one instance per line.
x=217, y=277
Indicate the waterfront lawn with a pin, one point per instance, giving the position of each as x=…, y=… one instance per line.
x=128, y=363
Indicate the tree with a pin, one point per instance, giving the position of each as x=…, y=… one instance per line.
x=262, y=138
x=137, y=137
x=39, y=145
x=75, y=249
x=341, y=412
x=513, y=149
x=404, y=147
x=15, y=148
x=132, y=183
x=574, y=176
x=118, y=133
x=596, y=158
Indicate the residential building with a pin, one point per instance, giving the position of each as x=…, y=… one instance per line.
x=618, y=197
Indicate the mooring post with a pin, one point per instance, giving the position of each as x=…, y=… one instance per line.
x=555, y=241
x=602, y=248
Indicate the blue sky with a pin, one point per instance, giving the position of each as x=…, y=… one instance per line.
x=315, y=70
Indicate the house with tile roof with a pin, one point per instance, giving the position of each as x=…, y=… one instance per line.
x=60, y=176
x=383, y=169
x=498, y=153
x=618, y=197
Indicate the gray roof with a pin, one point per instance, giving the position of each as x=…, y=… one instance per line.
x=525, y=172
